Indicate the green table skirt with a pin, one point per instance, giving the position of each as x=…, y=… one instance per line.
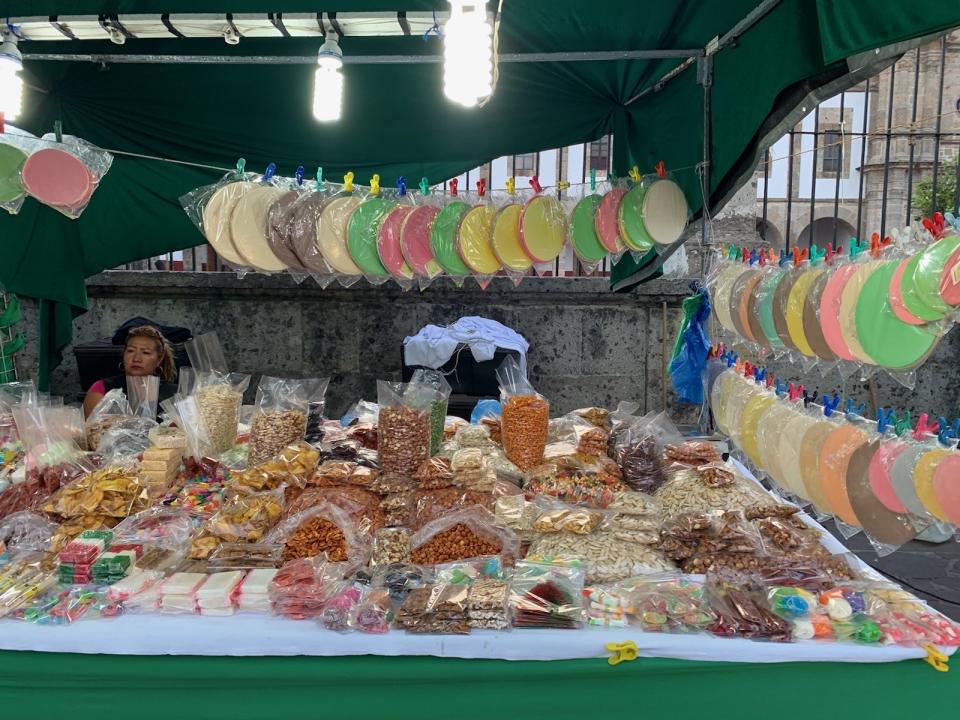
x=51, y=685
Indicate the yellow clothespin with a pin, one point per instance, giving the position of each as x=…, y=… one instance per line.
x=348, y=182
x=375, y=185
x=564, y=185
x=511, y=186
x=635, y=174
x=936, y=659
x=622, y=652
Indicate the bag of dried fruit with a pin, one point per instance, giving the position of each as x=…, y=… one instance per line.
x=526, y=416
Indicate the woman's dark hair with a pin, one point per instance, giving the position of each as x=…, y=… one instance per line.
x=166, y=369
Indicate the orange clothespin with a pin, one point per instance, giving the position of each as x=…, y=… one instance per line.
x=877, y=244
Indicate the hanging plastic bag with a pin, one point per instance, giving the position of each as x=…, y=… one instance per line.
x=332, y=230
x=64, y=172
x=15, y=147
x=526, y=415
x=474, y=235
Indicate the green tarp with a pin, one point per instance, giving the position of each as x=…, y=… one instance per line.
x=396, y=120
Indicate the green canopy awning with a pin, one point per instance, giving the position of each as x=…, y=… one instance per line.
x=395, y=118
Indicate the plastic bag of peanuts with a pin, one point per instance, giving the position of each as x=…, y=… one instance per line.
x=403, y=432
x=279, y=416
x=322, y=528
x=468, y=533
x=525, y=418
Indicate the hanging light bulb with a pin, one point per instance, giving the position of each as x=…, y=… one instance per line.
x=328, y=80
x=11, y=84
x=467, y=53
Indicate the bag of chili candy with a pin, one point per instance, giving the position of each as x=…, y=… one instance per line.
x=438, y=408
x=525, y=419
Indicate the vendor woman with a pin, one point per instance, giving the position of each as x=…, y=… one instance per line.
x=145, y=352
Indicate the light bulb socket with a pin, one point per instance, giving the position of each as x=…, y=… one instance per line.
x=9, y=52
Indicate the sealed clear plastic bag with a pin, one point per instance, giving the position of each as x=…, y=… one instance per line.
x=332, y=230
x=468, y=533
x=64, y=172
x=247, y=518
x=112, y=409
x=218, y=393
x=525, y=418
x=584, y=240
x=436, y=608
x=301, y=588
x=143, y=395
x=669, y=603
x=15, y=147
x=505, y=233
x=280, y=224
x=389, y=237
x=24, y=532
x=323, y=529
x=404, y=426
x=474, y=236
x=546, y=595
x=363, y=229
x=739, y=601
x=416, y=232
x=438, y=408
x=280, y=416
x=303, y=226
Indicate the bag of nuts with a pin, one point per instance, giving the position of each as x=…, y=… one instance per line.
x=469, y=533
x=525, y=418
x=279, y=416
x=218, y=392
x=324, y=528
x=403, y=433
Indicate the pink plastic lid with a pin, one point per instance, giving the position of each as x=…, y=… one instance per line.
x=607, y=220
x=55, y=177
x=880, y=481
x=388, y=242
x=830, y=311
x=896, y=296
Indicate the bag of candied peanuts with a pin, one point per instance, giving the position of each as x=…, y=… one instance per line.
x=468, y=533
x=322, y=528
x=525, y=416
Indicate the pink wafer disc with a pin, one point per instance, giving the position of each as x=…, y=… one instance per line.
x=415, y=242
x=880, y=481
x=607, y=220
x=946, y=487
x=950, y=280
x=896, y=296
x=388, y=243
x=830, y=311
x=55, y=177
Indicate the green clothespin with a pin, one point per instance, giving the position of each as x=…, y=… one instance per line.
x=856, y=247
x=816, y=254
x=241, y=164
x=58, y=130
x=903, y=424
x=612, y=176
x=593, y=180
x=319, y=176
x=424, y=186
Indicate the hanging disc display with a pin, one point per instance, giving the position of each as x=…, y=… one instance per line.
x=946, y=487
x=11, y=162
x=363, y=232
x=830, y=311
x=443, y=238
x=795, y=304
x=633, y=233
x=583, y=231
x=902, y=477
x=248, y=228
x=280, y=228
x=895, y=294
x=881, y=481
x=740, y=303
x=914, y=299
x=753, y=413
x=473, y=240
x=388, y=243
x=950, y=280
x=506, y=240
x=332, y=234
x=790, y=444
x=55, y=177
x=216, y=220
x=811, y=318
x=543, y=228
x=780, y=297
x=765, y=291
x=928, y=270
x=811, y=443
x=753, y=312
x=607, y=220
x=848, y=309
x=923, y=481
x=415, y=241
x=722, y=305
x=876, y=520
x=303, y=233
x=769, y=429
x=891, y=342
x=664, y=211
x=717, y=401
x=835, y=454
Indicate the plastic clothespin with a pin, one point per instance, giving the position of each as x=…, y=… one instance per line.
x=481, y=187
x=935, y=659
x=816, y=255
x=511, y=185
x=58, y=130
x=754, y=256
x=622, y=652
x=770, y=381
x=800, y=256
x=319, y=176
x=903, y=424
x=731, y=359
x=807, y=399
x=877, y=244
x=856, y=247
x=299, y=175
x=241, y=166
x=375, y=185
x=563, y=185
x=760, y=376
x=885, y=418
x=948, y=432
x=763, y=259
x=785, y=257
x=661, y=169
x=612, y=175
x=270, y=172
x=454, y=185
x=401, y=186
x=924, y=428
x=535, y=184
x=796, y=392
x=634, y=174
x=348, y=182
x=593, y=180
x=830, y=404
x=852, y=408
x=424, y=186
x=747, y=369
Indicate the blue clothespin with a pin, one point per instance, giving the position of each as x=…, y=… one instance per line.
x=402, y=185
x=754, y=257
x=853, y=409
x=731, y=359
x=759, y=375
x=885, y=418
x=785, y=258
x=300, y=176
x=947, y=431
x=270, y=172
x=781, y=387
x=830, y=403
